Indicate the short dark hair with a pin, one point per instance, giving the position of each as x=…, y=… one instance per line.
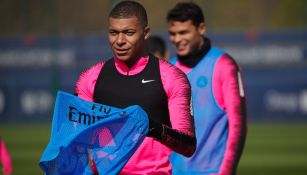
x=185, y=11
x=154, y=44
x=127, y=9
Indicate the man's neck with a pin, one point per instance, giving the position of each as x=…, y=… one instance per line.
x=133, y=60
x=193, y=58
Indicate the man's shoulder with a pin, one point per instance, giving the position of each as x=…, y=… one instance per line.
x=96, y=67
x=92, y=71
x=169, y=67
x=226, y=64
x=223, y=53
x=171, y=74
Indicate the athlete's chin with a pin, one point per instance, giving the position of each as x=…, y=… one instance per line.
x=123, y=57
x=182, y=53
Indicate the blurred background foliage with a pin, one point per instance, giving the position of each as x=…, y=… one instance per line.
x=43, y=17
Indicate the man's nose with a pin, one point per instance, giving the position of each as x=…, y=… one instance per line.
x=120, y=39
x=176, y=38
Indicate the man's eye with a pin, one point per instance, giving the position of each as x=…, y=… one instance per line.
x=112, y=33
x=172, y=33
x=183, y=32
x=129, y=33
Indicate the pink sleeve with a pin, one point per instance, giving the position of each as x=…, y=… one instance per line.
x=180, y=137
x=86, y=84
x=178, y=91
x=85, y=87
x=5, y=159
x=229, y=92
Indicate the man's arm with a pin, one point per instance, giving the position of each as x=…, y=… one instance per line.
x=230, y=94
x=85, y=85
x=181, y=136
x=5, y=159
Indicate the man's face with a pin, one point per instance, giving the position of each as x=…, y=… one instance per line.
x=185, y=36
x=126, y=38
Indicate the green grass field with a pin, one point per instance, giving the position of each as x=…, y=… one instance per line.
x=271, y=149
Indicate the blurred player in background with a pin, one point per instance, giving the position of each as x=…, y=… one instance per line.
x=219, y=100
x=5, y=159
x=132, y=77
x=156, y=45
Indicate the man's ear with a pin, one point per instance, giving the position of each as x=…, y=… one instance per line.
x=201, y=28
x=146, y=32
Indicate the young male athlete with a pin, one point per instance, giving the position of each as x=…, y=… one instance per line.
x=134, y=77
x=217, y=93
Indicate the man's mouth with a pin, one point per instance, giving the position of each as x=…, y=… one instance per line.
x=181, y=48
x=121, y=51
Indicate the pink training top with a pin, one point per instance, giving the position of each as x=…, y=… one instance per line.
x=228, y=90
x=5, y=159
x=149, y=158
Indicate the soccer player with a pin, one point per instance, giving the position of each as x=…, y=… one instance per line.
x=134, y=77
x=218, y=95
x=5, y=159
x=156, y=45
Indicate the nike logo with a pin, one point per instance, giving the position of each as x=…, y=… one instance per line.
x=146, y=81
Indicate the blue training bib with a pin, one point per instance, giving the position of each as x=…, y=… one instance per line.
x=82, y=130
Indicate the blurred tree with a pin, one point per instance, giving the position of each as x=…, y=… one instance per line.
x=18, y=17
x=289, y=14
